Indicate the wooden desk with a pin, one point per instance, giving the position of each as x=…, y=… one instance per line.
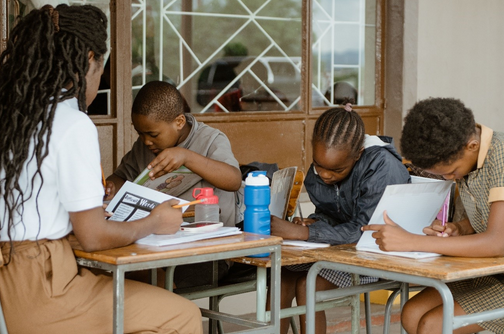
x=433, y=272
x=297, y=255
x=139, y=257
x=290, y=255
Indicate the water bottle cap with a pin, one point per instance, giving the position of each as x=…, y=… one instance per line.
x=205, y=193
x=257, y=178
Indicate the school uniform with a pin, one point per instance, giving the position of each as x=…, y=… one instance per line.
x=478, y=190
x=202, y=139
x=42, y=289
x=342, y=209
x=208, y=142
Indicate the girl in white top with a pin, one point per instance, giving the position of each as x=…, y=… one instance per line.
x=50, y=186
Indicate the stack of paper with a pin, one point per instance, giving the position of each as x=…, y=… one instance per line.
x=412, y=206
x=181, y=236
x=304, y=244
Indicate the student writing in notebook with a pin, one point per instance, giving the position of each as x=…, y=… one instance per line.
x=440, y=135
x=51, y=186
x=170, y=138
x=349, y=173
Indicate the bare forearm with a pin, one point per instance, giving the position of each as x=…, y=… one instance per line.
x=220, y=174
x=118, y=182
x=95, y=233
x=474, y=245
x=111, y=234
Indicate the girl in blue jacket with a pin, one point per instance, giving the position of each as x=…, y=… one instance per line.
x=349, y=173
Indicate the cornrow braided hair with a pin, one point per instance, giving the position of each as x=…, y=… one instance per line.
x=338, y=127
x=45, y=62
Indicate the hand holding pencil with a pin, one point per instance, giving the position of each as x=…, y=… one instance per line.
x=178, y=206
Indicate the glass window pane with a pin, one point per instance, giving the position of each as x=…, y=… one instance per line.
x=222, y=55
x=343, y=48
x=101, y=103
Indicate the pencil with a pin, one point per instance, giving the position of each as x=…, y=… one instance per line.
x=104, y=183
x=443, y=219
x=299, y=210
x=103, y=178
x=178, y=206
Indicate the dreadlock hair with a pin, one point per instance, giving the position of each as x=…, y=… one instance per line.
x=160, y=100
x=45, y=62
x=435, y=131
x=340, y=128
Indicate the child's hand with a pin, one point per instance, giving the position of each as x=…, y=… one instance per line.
x=168, y=218
x=110, y=191
x=106, y=213
x=287, y=230
x=437, y=229
x=167, y=161
x=390, y=237
x=304, y=222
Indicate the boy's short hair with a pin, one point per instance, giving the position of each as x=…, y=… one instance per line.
x=435, y=131
x=159, y=99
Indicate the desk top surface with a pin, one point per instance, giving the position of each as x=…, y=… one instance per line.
x=135, y=253
x=290, y=255
x=445, y=268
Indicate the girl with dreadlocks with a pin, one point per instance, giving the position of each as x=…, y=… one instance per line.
x=49, y=74
x=349, y=173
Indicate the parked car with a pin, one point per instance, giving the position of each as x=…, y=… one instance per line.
x=279, y=74
x=215, y=77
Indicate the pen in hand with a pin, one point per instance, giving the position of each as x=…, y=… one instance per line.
x=443, y=219
x=178, y=206
x=300, y=212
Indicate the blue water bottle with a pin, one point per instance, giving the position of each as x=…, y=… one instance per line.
x=257, y=217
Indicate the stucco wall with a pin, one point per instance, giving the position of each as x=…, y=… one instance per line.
x=461, y=54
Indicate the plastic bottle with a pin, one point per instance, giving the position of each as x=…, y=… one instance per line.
x=257, y=217
x=207, y=211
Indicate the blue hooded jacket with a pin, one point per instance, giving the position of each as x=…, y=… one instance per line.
x=342, y=209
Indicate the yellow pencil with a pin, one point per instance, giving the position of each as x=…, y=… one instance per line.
x=189, y=203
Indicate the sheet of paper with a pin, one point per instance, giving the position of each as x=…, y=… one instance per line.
x=182, y=237
x=134, y=202
x=304, y=244
x=412, y=206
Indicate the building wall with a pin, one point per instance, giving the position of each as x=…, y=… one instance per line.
x=461, y=54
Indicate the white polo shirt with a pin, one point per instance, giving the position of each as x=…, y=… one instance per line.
x=71, y=179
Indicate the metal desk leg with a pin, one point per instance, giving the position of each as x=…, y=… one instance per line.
x=404, y=299
x=261, y=291
x=169, y=278
x=448, y=307
x=367, y=312
x=213, y=301
x=355, y=306
x=310, y=297
x=118, y=301
x=275, y=288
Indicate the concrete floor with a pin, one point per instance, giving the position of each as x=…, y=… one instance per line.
x=339, y=321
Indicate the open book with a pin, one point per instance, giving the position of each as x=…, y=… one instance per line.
x=134, y=202
x=281, y=186
x=413, y=206
x=174, y=183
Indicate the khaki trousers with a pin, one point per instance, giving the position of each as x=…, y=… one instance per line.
x=43, y=291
